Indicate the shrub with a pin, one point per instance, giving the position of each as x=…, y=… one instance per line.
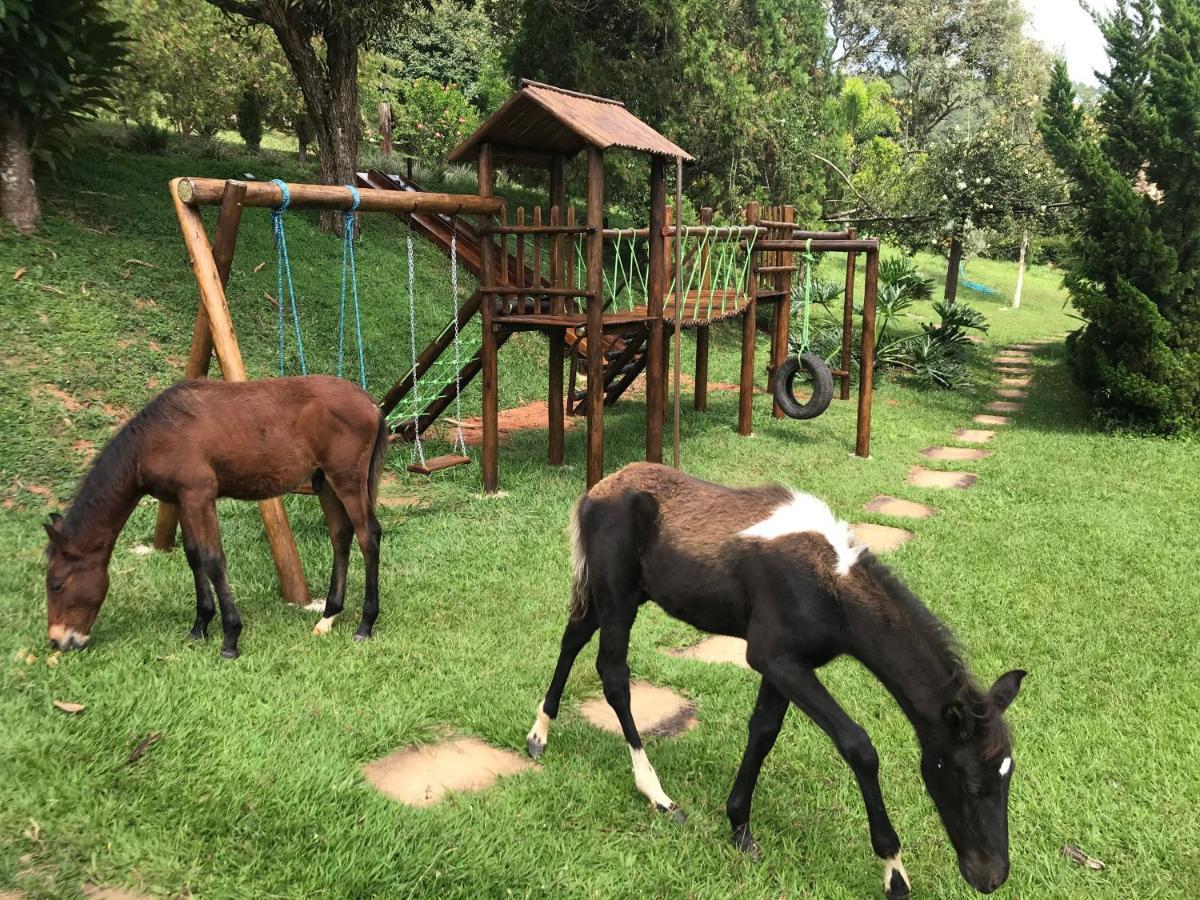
x=146, y=137
x=250, y=117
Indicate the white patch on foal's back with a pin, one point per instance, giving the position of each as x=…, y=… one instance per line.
x=805, y=512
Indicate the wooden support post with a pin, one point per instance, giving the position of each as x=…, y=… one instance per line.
x=781, y=318
x=657, y=289
x=595, y=313
x=676, y=367
x=491, y=387
x=557, y=337
x=848, y=315
x=200, y=355
x=866, y=370
x=749, y=327
x=701, y=398
x=212, y=296
x=669, y=275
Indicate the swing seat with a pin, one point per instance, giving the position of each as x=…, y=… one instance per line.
x=438, y=463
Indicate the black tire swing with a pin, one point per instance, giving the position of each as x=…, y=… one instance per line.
x=814, y=367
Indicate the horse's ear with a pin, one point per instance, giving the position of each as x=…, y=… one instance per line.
x=957, y=720
x=54, y=530
x=1004, y=691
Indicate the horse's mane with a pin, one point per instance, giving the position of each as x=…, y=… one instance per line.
x=909, y=613
x=115, y=467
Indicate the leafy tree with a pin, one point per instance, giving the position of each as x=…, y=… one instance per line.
x=250, y=117
x=322, y=41
x=59, y=61
x=940, y=56
x=1134, y=276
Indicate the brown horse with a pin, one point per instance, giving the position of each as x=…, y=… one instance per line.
x=200, y=440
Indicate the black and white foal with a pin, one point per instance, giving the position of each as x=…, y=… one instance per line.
x=775, y=567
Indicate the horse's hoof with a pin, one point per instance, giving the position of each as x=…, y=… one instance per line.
x=229, y=653
x=535, y=747
x=746, y=844
x=897, y=888
x=197, y=634
x=678, y=816
x=359, y=636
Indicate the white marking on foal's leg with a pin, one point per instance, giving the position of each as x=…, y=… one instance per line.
x=324, y=626
x=317, y=605
x=646, y=780
x=891, y=867
x=539, y=734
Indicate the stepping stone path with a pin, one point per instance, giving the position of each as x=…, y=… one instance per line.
x=880, y=538
x=658, y=711
x=716, y=649
x=1012, y=370
x=973, y=435
x=1001, y=406
x=422, y=775
x=991, y=420
x=1011, y=393
x=1016, y=382
x=893, y=506
x=1005, y=356
x=956, y=454
x=922, y=477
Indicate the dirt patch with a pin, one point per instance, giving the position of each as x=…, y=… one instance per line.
x=1015, y=369
x=87, y=448
x=403, y=501
x=533, y=416
x=991, y=420
x=423, y=775
x=1011, y=393
x=1003, y=406
x=880, y=538
x=894, y=506
x=1007, y=356
x=716, y=649
x=69, y=403
x=96, y=892
x=973, y=435
x=657, y=711
x=922, y=477
x=955, y=453
x=1019, y=382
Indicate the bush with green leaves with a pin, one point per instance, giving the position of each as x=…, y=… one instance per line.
x=250, y=112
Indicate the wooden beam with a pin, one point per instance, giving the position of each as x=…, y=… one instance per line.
x=657, y=288
x=595, y=313
x=848, y=318
x=491, y=393
x=556, y=410
x=212, y=295
x=749, y=327
x=200, y=355
x=822, y=246
x=866, y=371
x=208, y=192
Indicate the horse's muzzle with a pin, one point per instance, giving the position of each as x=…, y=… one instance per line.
x=68, y=641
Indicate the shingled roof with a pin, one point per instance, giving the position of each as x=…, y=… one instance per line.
x=543, y=118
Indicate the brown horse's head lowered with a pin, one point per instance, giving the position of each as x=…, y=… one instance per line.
x=76, y=585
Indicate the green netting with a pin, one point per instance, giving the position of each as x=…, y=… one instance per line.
x=440, y=375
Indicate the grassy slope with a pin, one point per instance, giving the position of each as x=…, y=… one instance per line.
x=1068, y=559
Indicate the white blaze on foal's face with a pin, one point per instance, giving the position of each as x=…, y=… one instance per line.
x=805, y=512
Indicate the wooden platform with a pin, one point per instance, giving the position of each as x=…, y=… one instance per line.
x=437, y=463
x=702, y=307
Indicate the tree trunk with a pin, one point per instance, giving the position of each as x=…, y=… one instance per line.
x=1021, y=269
x=302, y=150
x=18, y=192
x=952, y=270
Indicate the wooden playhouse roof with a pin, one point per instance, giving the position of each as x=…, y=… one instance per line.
x=541, y=118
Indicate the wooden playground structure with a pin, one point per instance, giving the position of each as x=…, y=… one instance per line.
x=609, y=300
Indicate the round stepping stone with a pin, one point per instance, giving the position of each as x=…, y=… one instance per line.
x=976, y=339
x=922, y=477
x=656, y=710
x=880, y=538
x=955, y=453
x=893, y=506
x=1003, y=406
x=718, y=648
x=991, y=420
x=1016, y=382
x=1011, y=393
x=1012, y=358
x=422, y=775
x=1015, y=368
x=973, y=435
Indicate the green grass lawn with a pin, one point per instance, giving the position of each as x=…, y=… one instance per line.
x=1073, y=557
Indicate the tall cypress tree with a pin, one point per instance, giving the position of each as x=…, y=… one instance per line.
x=1133, y=276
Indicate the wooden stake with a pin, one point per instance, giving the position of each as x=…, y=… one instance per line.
x=491, y=387
x=200, y=355
x=595, y=312
x=678, y=300
x=848, y=315
x=866, y=373
x=749, y=327
x=212, y=295
x=557, y=337
x=657, y=288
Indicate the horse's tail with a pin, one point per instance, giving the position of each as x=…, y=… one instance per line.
x=579, y=569
x=378, y=455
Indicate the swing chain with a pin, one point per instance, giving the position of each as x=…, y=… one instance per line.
x=806, y=301
x=412, y=342
x=348, y=228
x=283, y=266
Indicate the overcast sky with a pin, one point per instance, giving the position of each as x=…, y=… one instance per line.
x=1064, y=28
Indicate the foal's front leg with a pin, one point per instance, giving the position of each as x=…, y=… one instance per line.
x=765, y=723
x=205, y=607
x=198, y=518
x=799, y=683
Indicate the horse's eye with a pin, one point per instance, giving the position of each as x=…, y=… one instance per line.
x=56, y=586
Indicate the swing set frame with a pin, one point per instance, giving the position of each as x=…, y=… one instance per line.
x=214, y=332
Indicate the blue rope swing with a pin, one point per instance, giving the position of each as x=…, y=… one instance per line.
x=284, y=267
x=348, y=265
